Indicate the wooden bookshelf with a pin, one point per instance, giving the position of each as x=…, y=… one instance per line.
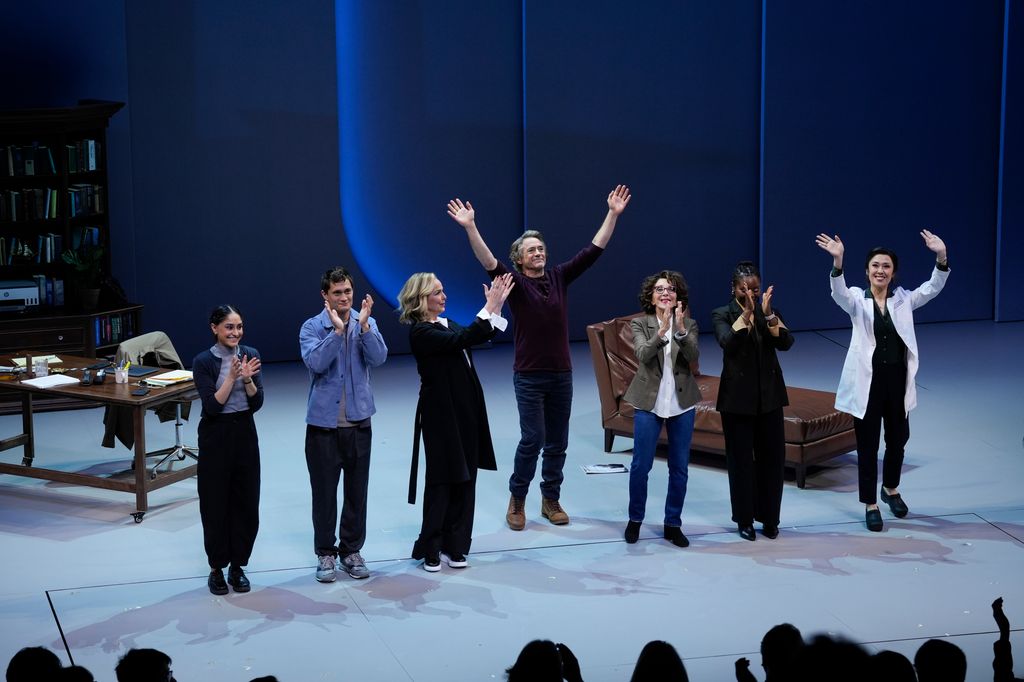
x=53, y=190
x=53, y=197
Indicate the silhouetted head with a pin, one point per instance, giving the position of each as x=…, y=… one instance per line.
x=539, y=661
x=940, y=661
x=144, y=665
x=835, y=660
x=33, y=663
x=779, y=648
x=659, y=661
x=890, y=665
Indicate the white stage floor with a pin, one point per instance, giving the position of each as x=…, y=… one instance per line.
x=82, y=579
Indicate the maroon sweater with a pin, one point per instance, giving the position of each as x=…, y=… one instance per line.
x=540, y=312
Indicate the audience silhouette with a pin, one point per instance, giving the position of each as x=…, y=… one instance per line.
x=144, y=665
x=33, y=663
x=659, y=661
x=784, y=656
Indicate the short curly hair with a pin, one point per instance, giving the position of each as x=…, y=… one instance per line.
x=647, y=289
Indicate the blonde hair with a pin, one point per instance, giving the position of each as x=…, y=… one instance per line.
x=412, y=299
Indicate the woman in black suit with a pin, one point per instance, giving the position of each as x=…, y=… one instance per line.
x=751, y=395
x=451, y=414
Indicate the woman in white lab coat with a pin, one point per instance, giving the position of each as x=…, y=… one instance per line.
x=877, y=385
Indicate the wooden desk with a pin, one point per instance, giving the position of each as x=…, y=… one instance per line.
x=107, y=393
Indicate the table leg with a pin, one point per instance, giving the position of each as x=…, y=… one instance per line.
x=26, y=427
x=141, y=501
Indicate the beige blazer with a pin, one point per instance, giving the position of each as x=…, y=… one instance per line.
x=649, y=349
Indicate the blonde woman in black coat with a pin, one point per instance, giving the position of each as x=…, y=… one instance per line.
x=450, y=414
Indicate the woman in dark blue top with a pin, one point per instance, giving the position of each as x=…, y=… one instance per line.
x=227, y=376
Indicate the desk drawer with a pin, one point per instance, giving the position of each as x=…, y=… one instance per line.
x=45, y=339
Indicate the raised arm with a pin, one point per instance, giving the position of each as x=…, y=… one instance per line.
x=464, y=215
x=936, y=246
x=618, y=198
x=833, y=246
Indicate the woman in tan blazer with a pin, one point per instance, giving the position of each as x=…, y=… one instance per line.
x=663, y=392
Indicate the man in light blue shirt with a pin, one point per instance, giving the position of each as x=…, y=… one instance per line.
x=340, y=347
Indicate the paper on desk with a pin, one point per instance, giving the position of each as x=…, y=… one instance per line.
x=51, y=381
x=50, y=360
x=176, y=376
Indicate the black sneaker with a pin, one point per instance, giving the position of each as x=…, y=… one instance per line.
x=432, y=563
x=237, y=579
x=632, y=533
x=216, y=582
x=454, y=559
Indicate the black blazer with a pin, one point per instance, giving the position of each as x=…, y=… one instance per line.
x=450, y=414
x=752, y=381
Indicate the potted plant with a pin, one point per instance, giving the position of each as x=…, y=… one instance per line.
x=87, y=269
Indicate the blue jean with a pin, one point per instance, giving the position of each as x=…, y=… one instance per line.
x=646, y=429
x=545, y=402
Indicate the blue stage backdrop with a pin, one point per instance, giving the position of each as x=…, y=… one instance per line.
x=263, y=143
x=1010, y=271
x=429, y=108
x=662, y=97
x=881, y=119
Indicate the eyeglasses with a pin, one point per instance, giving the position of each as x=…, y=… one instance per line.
x=663, y=290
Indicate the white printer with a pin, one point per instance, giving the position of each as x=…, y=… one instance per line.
x=18, y=294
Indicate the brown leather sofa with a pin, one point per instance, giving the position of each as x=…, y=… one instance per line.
x=815, y=430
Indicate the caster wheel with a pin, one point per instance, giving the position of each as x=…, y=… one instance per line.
x=138, y=516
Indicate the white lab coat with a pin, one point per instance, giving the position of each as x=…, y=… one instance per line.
x=855, y=383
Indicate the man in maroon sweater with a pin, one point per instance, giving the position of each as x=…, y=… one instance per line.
x=542, y=368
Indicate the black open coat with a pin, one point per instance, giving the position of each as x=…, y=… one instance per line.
x=451, y=412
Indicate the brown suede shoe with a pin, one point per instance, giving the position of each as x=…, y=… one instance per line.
x=515, y=517
x=553, y=512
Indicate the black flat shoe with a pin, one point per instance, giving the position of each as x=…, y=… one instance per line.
x=632, y=533
x=873, y=518
x=769, y=531
x=216, y=582
x=674, y=534
x=896, y=504
x=747, y=533
x=237, y=579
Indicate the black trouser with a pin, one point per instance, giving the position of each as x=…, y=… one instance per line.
x=229, y=487
x=328, y=453
x=755, y=452
x=447, y=518
x=885, y=405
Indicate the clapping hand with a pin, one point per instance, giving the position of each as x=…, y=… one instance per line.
x=682, y=312
x=766, y=300
x=499, y=290
x=364, y=312
x=247, y=367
